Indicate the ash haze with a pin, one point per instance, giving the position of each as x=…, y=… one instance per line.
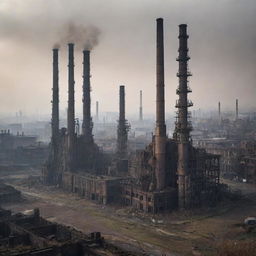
x=221, y=45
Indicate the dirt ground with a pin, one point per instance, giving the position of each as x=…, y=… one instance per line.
x=179, y=233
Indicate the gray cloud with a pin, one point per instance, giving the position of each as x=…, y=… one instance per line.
x=222, y=49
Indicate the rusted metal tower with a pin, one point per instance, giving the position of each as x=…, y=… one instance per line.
x=123, y=128
x=183, y=125
x=160, y=130
x=87, y=119
x=141, y=110
x=55, y=105
x=71, y=106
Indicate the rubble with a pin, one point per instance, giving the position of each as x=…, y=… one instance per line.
x=30, y=234
x=8, y=194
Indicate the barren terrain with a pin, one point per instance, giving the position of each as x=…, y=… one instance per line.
x=179, y=233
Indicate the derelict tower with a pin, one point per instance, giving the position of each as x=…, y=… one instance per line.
x=183, y=125
x=87, y=119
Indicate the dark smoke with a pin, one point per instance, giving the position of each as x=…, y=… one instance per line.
x=84, y=37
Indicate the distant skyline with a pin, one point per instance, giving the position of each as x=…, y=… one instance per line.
x=221, y=45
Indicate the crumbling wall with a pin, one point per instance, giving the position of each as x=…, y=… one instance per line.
x=142, y=166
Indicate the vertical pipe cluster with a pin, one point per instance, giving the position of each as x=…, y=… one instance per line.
x=55, y=104
x=122, y=126
x=160, y=130
x=183, y=126
x=141, y=112
x=236, y=109
x=87, y=119
x=71, y=103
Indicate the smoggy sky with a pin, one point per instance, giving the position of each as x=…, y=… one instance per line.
x=222, y=46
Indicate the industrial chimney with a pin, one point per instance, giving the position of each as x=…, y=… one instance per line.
x=122, y=130
x=97, y=111
x=183, y=126
x=55, y=105
x=236, y=109
x=160, y=130
x=87, y=119
x=219, y=111
x=141, y=111
x=71, y=104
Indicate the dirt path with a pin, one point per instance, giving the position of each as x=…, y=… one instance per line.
x=178, y=235
x=88, y=217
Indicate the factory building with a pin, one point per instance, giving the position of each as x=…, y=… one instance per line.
x=168, y=174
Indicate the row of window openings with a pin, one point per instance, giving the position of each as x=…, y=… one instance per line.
x=137, y=196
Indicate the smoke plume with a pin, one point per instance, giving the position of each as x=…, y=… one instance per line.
x=84, y=37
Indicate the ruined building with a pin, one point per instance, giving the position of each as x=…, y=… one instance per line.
x=70, y=151
x=32, y=235
x=168, y=174
x=171, y=173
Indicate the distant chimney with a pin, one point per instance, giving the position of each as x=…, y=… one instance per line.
x=87, y=119
x=219, y=111
x=97, y=110
x=55, y=103
x=160, y=130
x=236, y=109
x=141, y=111
x=71, y=104
x=122, y=130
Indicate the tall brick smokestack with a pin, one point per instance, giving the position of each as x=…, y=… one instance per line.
x=160, y=130
x=71, y=104
x=141, y=110
x=122, y=130
x=236, y=109
x=183, y=126
x=87, y=119
x=55, y=104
